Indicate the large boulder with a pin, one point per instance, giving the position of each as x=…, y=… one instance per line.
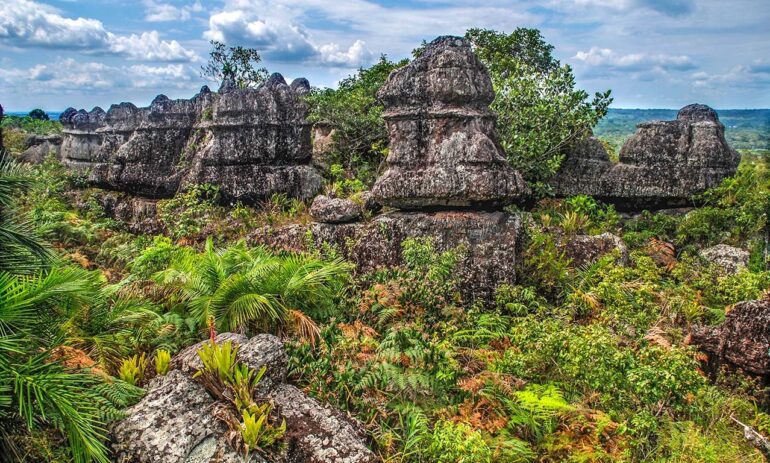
x=662, y=165
x=251, y=143
x=444, y=151
x=729, y=259
x=335, y=210
x=742, y=340
x=490, y=243
x=176, y=421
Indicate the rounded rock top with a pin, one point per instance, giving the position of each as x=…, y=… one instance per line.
x=697, y=113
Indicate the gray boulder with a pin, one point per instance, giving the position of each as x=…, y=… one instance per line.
x=444, y=151
x=661, y=166
x=38, y=147
x=176, y=420
x=586, y=249
x=334, y=210
x=742, y=340
x=729, y=259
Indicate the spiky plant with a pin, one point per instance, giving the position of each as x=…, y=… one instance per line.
x=254, y=290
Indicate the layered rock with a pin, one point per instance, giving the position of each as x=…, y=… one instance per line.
x=444, y=151
x=334, y=210
x=251, y=143
x=176, y=421
x=742, y=340
x=662, y=165
x=584, y=250
x=38, y=147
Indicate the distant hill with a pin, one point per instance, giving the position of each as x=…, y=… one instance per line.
x=744, y=128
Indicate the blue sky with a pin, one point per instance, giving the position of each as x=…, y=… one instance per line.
x=651, y=53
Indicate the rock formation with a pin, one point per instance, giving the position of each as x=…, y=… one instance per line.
x=729, y=259
x=38, y=147
x=251, y=143
x=662, y=165
x=335, y=210
x=742, y=340
x=176, y=421
x=444, y=151
x=446, y=172
x=584, y=250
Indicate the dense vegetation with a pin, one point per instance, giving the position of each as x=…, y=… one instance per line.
x=574, y=363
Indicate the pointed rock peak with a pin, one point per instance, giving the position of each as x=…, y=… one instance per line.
x=301, y=86
x=275, y=80
x=228, y=84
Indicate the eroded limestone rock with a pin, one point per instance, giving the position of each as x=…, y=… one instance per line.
x=39, y=147
x=175, y=422
x=444, y=151
x=742, y=340
x=728, y=258
x=334, y=210
x=586, y=249
x=662, y=165
x=251, y=143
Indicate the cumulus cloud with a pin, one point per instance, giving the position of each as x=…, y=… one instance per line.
x=755, y=75
x=279, y=36
x=673, y=8
x=606, y=59
x=69, y=75
x=28, y=24
x=165, y=12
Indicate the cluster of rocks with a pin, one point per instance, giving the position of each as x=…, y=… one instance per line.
x=176, y=421
x=662, y=165
x=446, y=174
x=251, y=143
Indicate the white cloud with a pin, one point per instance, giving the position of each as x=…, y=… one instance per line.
x=279, y=37
x=28, y=24
x=165, y=12
x=607, y=59
x=755, y=75
x=69, y=75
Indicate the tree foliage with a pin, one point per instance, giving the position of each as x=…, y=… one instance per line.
x=359, y=137
x=540, y=112
x=38, y=114
x=238, y=63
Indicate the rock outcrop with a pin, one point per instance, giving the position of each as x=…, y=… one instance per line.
x=335, y=210
x=176, y=421
x=251, y=143
x=662, y=165
x=445, y=171
x=728, y=258
x=742, y=340
x=444, y=151
x=39, y=147
x=586, y=249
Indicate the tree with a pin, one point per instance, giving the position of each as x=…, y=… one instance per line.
x=540, y=112
x=38, y=114
x=353, y=111
x=238, y=63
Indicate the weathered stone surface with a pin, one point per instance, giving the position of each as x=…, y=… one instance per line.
x=491, y=243
x=728, y=258
x=587, y=249
x=323, y=141
x=176, y=420
x=742, y=340
x=662, y=165
x=38, y=147
x=444, y=150
x=334, y=210
x=175, y=423
x=251, y=143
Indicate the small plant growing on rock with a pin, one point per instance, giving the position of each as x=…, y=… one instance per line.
x=132, y=369
x=162, y=361
x=218, y=366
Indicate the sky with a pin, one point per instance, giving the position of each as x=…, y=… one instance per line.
x=651, y=53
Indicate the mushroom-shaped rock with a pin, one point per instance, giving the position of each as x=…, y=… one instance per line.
x=444, y=151
x=728, y=258
x=334, y=210
x=742, y=340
